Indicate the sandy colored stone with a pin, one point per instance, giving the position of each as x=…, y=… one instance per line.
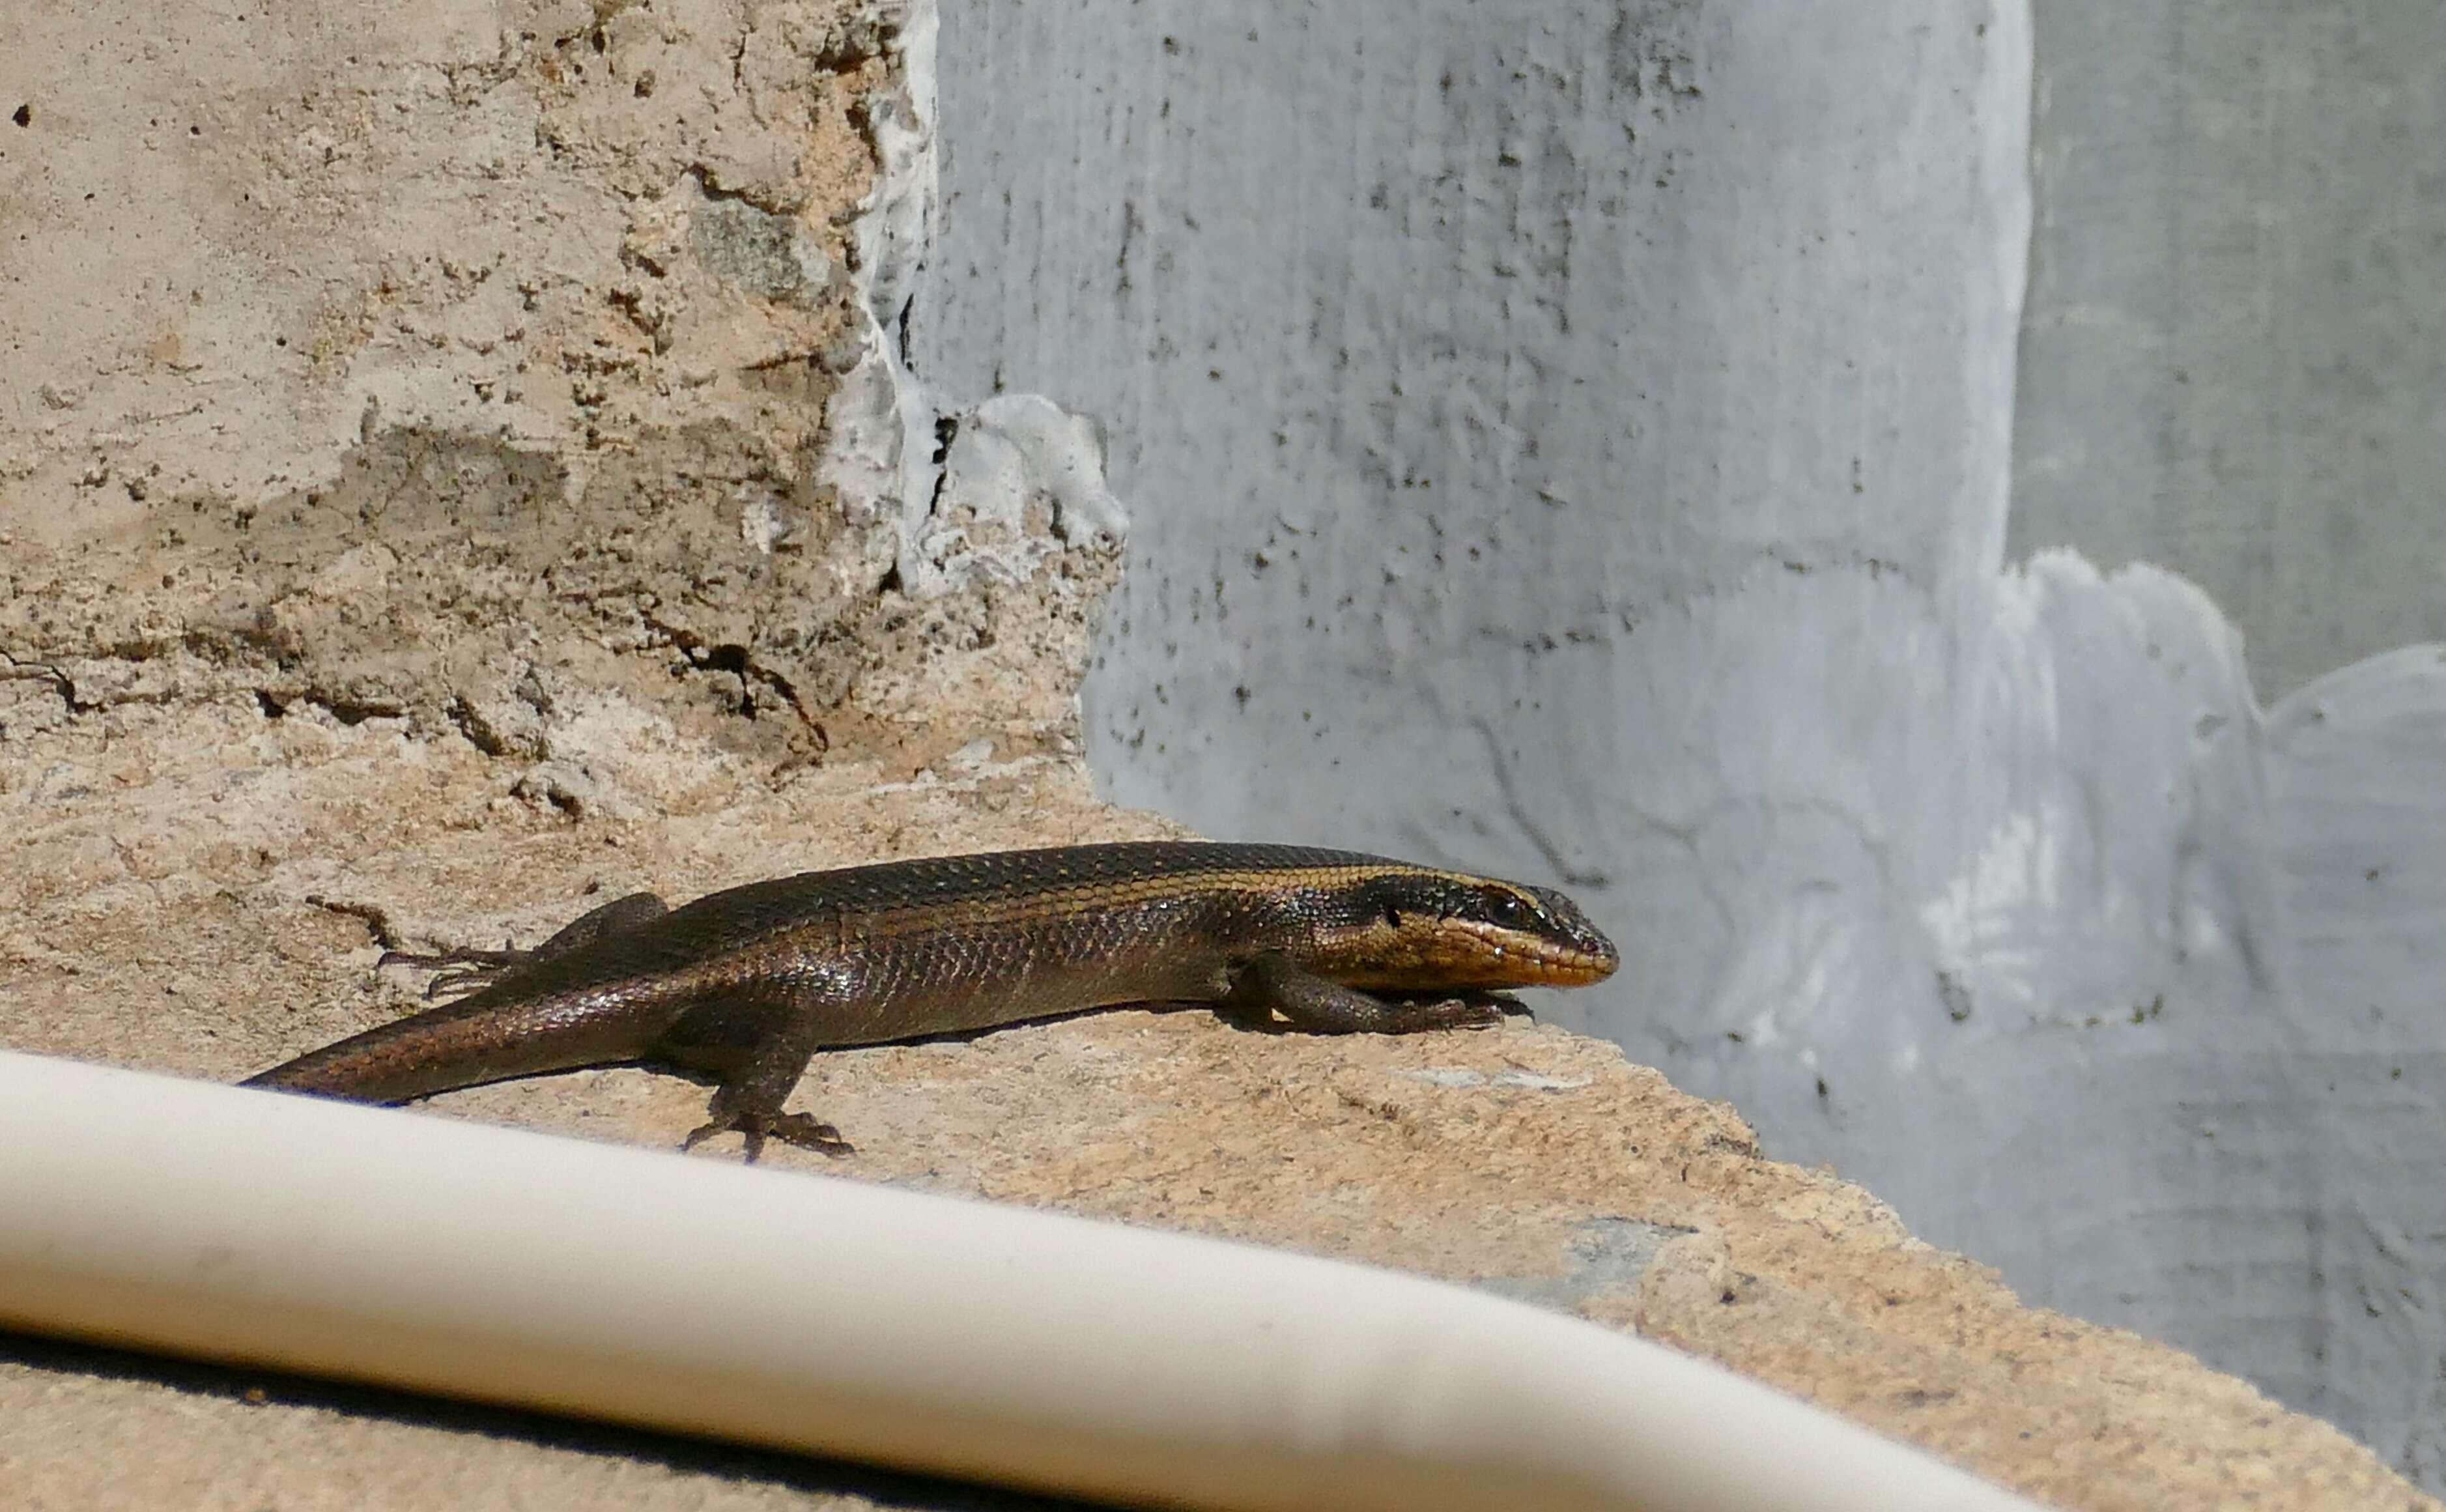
x=455, y=361
x=205, y=890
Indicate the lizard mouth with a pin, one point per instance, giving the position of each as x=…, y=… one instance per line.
x=1497, y=958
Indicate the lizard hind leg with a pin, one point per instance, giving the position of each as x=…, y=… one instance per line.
x=467, y=969
x=759, y=1051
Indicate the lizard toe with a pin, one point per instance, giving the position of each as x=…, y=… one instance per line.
x=801, y=1130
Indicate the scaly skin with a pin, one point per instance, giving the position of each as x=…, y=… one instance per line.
x=749, y=983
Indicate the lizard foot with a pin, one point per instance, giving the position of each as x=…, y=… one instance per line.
x=457, y=973
x=1477, y=1010
x=801, y=1129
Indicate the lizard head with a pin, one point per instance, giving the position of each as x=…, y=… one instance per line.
x=1411, y=929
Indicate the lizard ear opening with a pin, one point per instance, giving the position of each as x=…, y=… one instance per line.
x=1393, y=915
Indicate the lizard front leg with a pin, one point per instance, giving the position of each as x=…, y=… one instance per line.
x=1274, y=984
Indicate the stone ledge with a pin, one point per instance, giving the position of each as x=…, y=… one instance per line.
x=200, y=890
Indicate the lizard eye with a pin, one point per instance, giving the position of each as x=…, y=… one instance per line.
x=1510, y=911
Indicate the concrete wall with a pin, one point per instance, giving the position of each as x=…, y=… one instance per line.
x=2235, y=363
x=1576, y=440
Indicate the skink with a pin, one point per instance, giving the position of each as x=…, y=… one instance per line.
x=747, y=984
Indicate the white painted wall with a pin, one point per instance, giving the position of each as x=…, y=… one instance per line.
x=1574, y=440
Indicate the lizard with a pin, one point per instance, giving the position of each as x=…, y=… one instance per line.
x=748, y=983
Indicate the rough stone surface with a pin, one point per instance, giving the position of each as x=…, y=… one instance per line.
x=460, y=366
x=204, y=888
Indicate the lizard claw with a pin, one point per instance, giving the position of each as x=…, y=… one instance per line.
x=456, y=973
x=801, y=1129
x=1461, y=1012
x=1476, y=1011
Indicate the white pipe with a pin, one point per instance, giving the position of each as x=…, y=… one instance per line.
x=849, y=1319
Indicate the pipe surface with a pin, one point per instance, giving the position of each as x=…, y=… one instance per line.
x=841, y=1318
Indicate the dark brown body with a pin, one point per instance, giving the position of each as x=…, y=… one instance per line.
x=750, y=982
